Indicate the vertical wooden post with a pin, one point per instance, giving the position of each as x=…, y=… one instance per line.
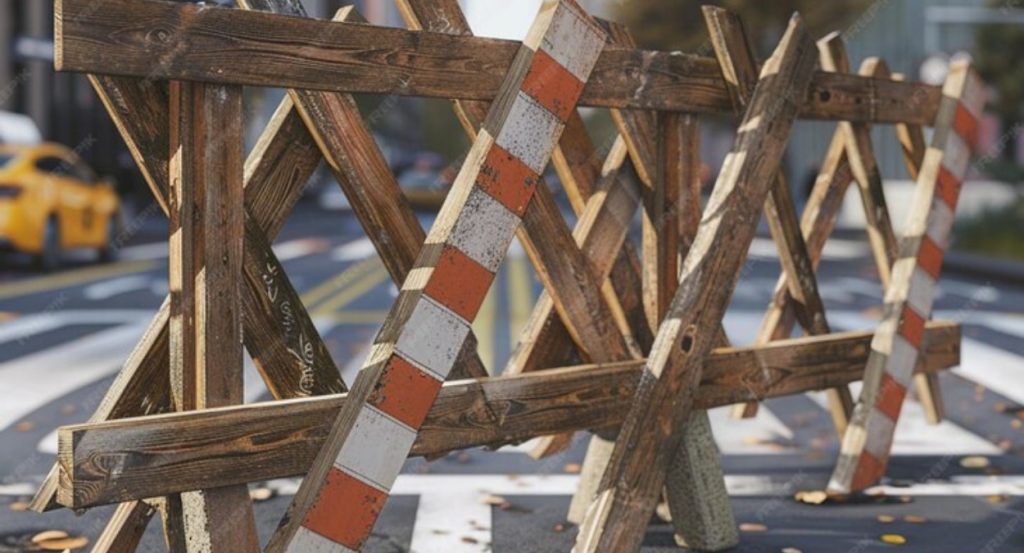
x=911, y=292
x=661, y=406
x=207, y=229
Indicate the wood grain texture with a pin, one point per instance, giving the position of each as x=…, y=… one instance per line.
x=207, y=231
x=168, y=453
x=636, y=472
x=125, y=528
x=860, y=154
x=739, y=70
x=262, y=49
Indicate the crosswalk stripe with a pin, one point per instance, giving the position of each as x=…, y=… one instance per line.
x=34, y=380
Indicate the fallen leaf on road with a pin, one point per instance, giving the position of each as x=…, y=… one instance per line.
x=494, y=500
x=974, y=462
x=886, y=519
x=752, y=527
x=572, y=468
x=260, y=494
x=996, y=498
x=559, y=527
x=914, y=519
x=63, y=544
x=811, y=497
x=791, y=550
x=894, y=539
x=49, y=535
x=18, y=506
x=25, y=426
x=469, y=539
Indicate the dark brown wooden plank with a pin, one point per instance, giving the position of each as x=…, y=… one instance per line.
x=636, y=471
x=207, y=231
x=739, y=70
x=172, y=452
x=125, y=529
x=134, y=38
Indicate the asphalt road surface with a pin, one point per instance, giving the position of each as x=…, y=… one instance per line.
x=63, y=336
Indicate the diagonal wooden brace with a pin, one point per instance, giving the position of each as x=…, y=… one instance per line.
x=661, y=406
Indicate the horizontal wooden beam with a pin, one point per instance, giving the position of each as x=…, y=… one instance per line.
x=127, y=459
x=155, y=39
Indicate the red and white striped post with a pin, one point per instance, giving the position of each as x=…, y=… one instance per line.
x=897, y=343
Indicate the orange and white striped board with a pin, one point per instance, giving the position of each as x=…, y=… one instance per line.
x=340, y=499
x=908, y=300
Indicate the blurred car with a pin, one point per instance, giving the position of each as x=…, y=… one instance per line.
x=50, y=201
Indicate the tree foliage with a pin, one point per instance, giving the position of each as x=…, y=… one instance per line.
x=998, y=59
x=679, y=25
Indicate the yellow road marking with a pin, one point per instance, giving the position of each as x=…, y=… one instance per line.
x=483, y=327
x=339, y=281
x=73, y=278
x=351, y=293
x=520, y=296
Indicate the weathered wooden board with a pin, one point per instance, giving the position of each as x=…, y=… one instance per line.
x=142, y=38
x=636, y=472
x=896, y=346
x=172, y=452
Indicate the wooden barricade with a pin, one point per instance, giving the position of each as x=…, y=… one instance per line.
x=647, y=324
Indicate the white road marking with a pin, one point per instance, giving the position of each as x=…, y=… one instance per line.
x=30, y=325
x=156, y=250
x=356, y=249
x=107, y=289
x=835, y=248
x=34, y=380
x=302, y=247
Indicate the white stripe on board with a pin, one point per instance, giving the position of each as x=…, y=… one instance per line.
x=530, y=132
x=369, y=449
x=572, y=42
x=432, y=338
x=308, y=541
x=484, y=230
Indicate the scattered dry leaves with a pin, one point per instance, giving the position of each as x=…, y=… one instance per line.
x=48, y=535
x=811, y=497
x=64, y=544
x=893, y=539
x=752, y=527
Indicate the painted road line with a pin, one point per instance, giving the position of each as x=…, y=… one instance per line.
x=76, y=277
x=352, y=292
x=520, y=293
x=356, y=249
x=94, y=357
x=294, y=249
x=114, y=287
x=30, y=325
x=339, y=281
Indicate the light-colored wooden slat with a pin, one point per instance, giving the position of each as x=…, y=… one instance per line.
x=125, y=528
x=115, y=460
x=321, y=55
x=739, y=69
x=635, y=475
x=861, y=157
x=341, y=497
x=896, y=347
x=207, y=232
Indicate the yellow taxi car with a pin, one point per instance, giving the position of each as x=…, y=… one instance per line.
x=50, y=201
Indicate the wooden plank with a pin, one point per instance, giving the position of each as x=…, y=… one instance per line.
x=272, y=186
x=865, y=169
x=340, y=498
x=911, y=138
x=262, y=49
x=571, y=306
x=336, y=126
x=207, y=233
x=117, y=460
x=661, y=406
x=896, y=346
x=739, y=68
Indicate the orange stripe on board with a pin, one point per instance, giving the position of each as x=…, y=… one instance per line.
x=929, y=257
x=552, y=85
x=948, y=188
x=404, y=392
x=869, y=471
x=507, y=179
x=912, y=327
x=459, y=283
x=890, y=397
x=345, y=510
x=966, y=125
